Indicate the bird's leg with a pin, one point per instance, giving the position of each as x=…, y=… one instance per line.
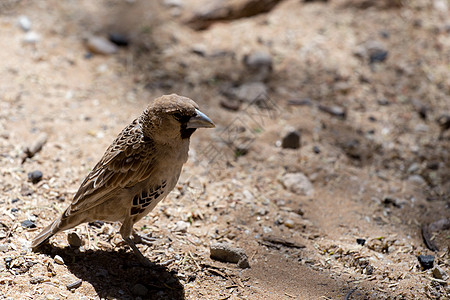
x=143, y=238
x=125, y=231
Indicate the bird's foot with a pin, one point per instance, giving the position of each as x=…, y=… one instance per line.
x=141, y=258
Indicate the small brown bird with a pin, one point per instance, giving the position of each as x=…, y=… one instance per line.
x=137, y=171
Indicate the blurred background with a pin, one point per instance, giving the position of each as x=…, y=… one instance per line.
x=329, y=169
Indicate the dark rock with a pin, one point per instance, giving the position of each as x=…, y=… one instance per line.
x=378, y=56
x=392, y=201
x=360, y=241
x=316, y=149
x=8, y=261
x=139, y=290
x=369, y=270
x=426, y=261
x=291, y=140
x=97, y=224
x=35, y=176
x=15, y=200
x=383, y=102
x=74, y=240
x=226, y=253
x=373, y=51
x=444, y=122
x=14, y=210
x=120, y=40
x=28, y=224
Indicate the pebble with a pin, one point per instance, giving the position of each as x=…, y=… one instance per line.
x=100, y=45
x=334, y=110
x=118, y=39
x=74, y=240
x=360, y=241
x=439, y=273
x=289, y=223
x=31, y=37
x=37, y=279
x=298, y=183
x=4, y=248
x=181, y=226
x=28, y=224
x=316, y=149
x=74, y=285
x=24, y=23
x=226, y=253
x=291, y=140
x=373, y=51
x=251, y=92
x=426, y=261
x=35, y=176
x=59, y=260
x=259, y=64
x=139, y=290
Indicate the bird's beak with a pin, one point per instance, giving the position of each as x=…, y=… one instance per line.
x=200, y=120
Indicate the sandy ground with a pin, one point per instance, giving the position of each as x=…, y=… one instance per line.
x=380, y=173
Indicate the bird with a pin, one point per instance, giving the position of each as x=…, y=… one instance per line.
x=137, y=171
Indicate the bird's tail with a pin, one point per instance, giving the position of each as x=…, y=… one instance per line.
x=46, y=233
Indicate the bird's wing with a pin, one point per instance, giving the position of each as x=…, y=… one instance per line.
x=128, y=161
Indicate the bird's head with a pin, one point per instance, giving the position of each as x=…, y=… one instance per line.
x=171, y=116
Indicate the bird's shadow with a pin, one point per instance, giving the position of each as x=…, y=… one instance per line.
x=118, y=274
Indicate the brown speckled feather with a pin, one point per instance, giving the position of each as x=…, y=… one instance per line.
x=125, y=163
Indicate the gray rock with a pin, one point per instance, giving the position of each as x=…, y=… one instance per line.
x=259, y=65
x=139, y=290
x=100, y=45
x=74, y=285
x=291, y=140
x=226, y=253
x=37, y=279
x=24, y=23
x=35, y=176
x=251, y=92
x=298, y=183
x=373, y=51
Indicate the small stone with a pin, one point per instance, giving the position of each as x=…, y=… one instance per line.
x=4, y=248
x=360, y=241
x=230, y=104
x=59, y=260
x=100, y=45
x=24, y=23
x=118, y=39
x=37, y=279
x=31, y=37
x=251, y=92
x=298, y=183
x=35, y=176
x=28, y=224
x=316, y=149
x=181, y=226
x=8, y=261
x=289, y=223
x=426, y=261
x=74, y=285
x=259, y=65
x=226, y=253
x=369, y=270
x=74, y=240
x=439, y=273
x=444, y=122
x=383, y=102
x=291, y=140
x=139, y=290
x=373, y=51
x=334, y=110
